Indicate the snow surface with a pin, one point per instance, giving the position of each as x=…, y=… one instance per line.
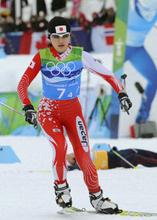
x=27, y=187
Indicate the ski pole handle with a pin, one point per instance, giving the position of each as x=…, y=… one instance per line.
x=139, y=87
x=140, y=90
x=124, y=77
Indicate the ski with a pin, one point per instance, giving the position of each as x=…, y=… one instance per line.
x=122, y=213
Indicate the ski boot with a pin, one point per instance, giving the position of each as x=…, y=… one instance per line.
x=101, y=204
x=63, y=197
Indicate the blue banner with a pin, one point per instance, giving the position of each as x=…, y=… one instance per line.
x=12, y=42
x=90, y=40
x=81, y=38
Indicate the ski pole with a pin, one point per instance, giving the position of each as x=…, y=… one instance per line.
x=140, y=90
x=116, y=153
x=124, y=77
x=12, y=109
x=35, y=121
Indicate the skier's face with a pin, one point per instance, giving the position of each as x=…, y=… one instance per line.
x=60, y=42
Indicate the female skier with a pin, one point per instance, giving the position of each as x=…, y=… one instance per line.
x=61, y=65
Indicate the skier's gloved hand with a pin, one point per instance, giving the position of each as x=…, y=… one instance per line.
x=125, y=102
x=30, y=115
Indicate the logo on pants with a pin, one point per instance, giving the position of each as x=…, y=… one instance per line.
x=82, y=133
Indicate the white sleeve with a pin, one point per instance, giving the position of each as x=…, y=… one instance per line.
x=90, y=63
x=94, y=66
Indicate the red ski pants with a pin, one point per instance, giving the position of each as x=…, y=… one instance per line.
x=53, y=115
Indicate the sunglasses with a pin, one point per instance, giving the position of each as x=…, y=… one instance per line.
x=57, y=36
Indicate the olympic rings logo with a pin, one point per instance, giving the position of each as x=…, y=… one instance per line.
x=60, y=67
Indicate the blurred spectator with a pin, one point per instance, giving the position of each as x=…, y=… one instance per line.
x=34, y=22
x=8, y=24
x=102, y=17
x=41, y=6
x=24, y=3
x=95, y=21
x=83, y=22
x=13, y=7
x=42, y=22
x=76, y=6
x=21, y=25
x=58, y=5
x=28, y=26
x=73, y=19
x=2, y=20
x=110, y=16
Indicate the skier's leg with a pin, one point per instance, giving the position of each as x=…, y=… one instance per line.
x=55, y=135
x=136, y=159
x=77, y=133
x=78, y=136
x=144, y=64
x=146, y=153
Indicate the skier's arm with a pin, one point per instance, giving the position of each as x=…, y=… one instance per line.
x=90, y=63
x=30, y=73
x=94, y=66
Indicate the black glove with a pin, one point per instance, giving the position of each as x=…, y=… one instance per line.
x=30, y=115
x=124, y=102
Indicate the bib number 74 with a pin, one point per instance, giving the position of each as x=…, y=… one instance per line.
x=62, y=93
